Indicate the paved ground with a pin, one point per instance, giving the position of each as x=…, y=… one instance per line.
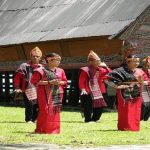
x=55, y=147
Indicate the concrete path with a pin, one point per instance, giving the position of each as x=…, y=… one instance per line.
x=56, y=147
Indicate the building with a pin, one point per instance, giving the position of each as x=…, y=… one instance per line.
x=139, y=34
x=68, y=27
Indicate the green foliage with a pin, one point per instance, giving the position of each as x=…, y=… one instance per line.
x=74, y=131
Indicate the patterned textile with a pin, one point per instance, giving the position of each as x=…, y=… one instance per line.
x=123, y=75
x=145, y=94
x=54, y=94
x=97, y=96
x=132, y=92
x=31, y=93
x=27, y=70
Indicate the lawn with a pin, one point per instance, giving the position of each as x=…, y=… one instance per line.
x=74, y=131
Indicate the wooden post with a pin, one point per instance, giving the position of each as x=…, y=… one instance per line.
x=7, y=87
x=74, y=90
x=1, y=95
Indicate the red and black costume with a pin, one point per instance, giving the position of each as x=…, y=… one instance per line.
x=92, y=80
x=49, y=100
x=21, y=81
x=129, y=99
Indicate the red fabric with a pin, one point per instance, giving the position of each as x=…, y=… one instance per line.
x=146, y=76
x=61, y=97
x=128, y=114
x=19, y=81
x=48, y=121
x=84, y=79
x=140, y=72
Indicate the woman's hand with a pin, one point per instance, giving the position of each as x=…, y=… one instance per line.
x=122, y=86
x=62, y=82
x=54, y=81
x=18, y=90
x=42, y=82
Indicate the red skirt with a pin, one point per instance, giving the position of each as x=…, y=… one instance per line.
x=129, y=113
x=48, y=123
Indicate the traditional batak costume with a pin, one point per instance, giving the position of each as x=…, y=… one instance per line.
x=22, y=81
x=49, y=99
x=91, y=80
x=129, y=98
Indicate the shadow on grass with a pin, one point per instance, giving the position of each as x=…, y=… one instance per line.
x=65, y=121
x=107, y=130
x=64, y=108
x=25, y=132
x=12, y=105
x=70, y=109
x=12, y=122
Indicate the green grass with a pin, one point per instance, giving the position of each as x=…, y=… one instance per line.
x=13, y=129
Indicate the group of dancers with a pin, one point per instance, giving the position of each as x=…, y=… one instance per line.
x=42, y=86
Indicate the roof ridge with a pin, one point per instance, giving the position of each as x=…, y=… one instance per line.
x=33, y=7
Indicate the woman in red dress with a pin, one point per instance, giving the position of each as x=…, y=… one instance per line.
x=49, y=82
x=128, y=80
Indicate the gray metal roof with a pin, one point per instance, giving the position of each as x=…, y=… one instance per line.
x=138, y=33
x=23, y=21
